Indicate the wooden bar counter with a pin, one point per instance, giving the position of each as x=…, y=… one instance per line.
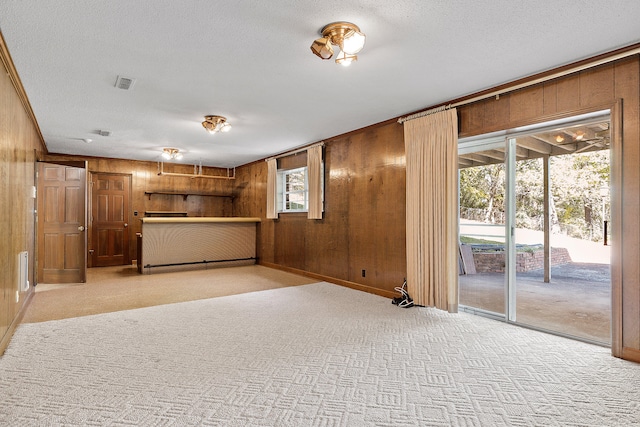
x=174, y=244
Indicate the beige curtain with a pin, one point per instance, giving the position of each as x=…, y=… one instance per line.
x=431, y=145
x=314, y=170
x=272, y=170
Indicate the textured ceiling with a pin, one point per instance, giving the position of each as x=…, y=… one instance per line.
x=250, y=61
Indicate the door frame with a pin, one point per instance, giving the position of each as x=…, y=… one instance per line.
x=614, y=111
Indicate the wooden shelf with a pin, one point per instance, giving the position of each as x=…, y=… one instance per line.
x=184, y=194
x=164, y=214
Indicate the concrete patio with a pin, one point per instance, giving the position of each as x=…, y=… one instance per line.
x=576, y=302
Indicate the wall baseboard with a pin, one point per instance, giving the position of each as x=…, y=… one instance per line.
x=631, y=354
x=4, y=342
x=345, y=283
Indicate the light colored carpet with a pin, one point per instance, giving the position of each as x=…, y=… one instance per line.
x=122, y=288
x=310, y=355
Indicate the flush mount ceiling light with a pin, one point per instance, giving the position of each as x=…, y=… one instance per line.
x=214, y=124
x=171, y=154
x=346, y=36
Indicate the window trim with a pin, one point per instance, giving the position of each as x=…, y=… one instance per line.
x=281, y=189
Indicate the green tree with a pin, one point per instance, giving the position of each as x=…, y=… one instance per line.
x=577, y=181
x=482, y=189
x=578, y=203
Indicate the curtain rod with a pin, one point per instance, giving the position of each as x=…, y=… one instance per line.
x=424, y=113
x=580, y=66
x=288, y=153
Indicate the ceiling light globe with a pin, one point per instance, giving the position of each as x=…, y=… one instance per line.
x=208, y=126
x=353, y=42
x=345, y=60
x=225, y=127
x=322, y=48
x=166, y=155
x=178, y=156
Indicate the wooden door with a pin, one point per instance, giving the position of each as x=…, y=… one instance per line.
x=62, y=241
x=110, y=219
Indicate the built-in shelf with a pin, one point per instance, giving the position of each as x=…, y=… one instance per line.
x=164, y=214
x=185, y=194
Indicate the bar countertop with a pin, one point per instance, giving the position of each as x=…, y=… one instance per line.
x=195, y=220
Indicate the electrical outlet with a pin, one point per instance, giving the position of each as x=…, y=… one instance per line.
x=17, y=296
x=364, y=273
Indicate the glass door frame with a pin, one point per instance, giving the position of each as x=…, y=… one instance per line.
x=472, y=145
x=507, y=139
x=510, y=235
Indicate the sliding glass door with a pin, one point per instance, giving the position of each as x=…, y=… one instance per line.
x=533, y=223
x=482, y=179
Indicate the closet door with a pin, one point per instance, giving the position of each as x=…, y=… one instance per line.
x=110, y=202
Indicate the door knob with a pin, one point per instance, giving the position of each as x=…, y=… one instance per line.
x=126, y=225
x=81, y=228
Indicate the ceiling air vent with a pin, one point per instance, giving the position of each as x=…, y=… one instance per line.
x=125, y=83
x=103, y=132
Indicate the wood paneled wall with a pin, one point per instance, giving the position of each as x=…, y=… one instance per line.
x=145, y=179
x=588, y=90
x=594, y=89
x=364, y=219
x=19, y=145
x=363, y=229
x=363, y=226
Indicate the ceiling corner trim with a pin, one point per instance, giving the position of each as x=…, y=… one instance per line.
x=9, y=66
x=549, y=75
x=531, y=80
